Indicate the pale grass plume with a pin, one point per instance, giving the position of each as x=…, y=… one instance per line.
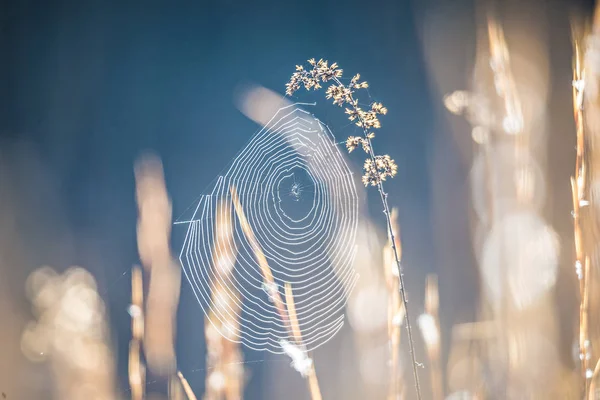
x=186, y=387
x=517, y=250
x=376, y=168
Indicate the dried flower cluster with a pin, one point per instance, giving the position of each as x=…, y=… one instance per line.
x=377, y=171
x=376, y=168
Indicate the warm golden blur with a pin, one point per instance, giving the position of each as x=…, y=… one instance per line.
x=153, y=231
x=71, y=333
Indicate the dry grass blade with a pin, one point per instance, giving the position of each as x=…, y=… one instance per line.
x=291, y=309
x=584, y=326
x=313, y=383
x=592, y=395
x=579, y=189
x=249, y=233
x=153, y=329
x=224, y=358
x=186, y=387
x=136, y=368
x=304, y=365
x=268, y=279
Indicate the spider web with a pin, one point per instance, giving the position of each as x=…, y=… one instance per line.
x=300, y=199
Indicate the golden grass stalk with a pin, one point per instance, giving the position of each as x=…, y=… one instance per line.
x=137, y=369
x=584, y=326
x=137, y=372
x=186, y=387
x=593, y=383
x=432, y=339
x=286, y=311
x=268, y=279
x=154, y=329
x=153, y=234
x=578, y=190
x=224, y=379
x=313, y=383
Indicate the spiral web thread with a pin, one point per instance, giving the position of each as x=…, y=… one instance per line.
x=300, y=199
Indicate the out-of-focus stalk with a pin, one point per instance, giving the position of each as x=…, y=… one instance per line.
x=186, y=387
x=579, y=192
x=430, y=329
x=71, y=334
x=153, y=326
x=153, y=236
x=224, y=359
x=395, y=309
x=590, y=112
x=137, y=371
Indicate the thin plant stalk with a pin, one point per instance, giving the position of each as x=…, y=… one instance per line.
x=592, y=391
x=136, y=368
x=395, y=314
x=386, y=210
x=578, y=186
x=186, y=387
x=153, y=328
x=377, y=168
x=584, y=325
x=224, y=356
